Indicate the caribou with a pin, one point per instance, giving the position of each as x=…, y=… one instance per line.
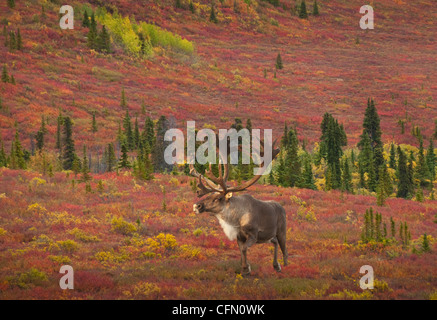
x=242, y=218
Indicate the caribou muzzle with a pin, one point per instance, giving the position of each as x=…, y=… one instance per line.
x=198, y=207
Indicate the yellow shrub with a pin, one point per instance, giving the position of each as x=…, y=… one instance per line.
x=68, y=245
x=123, y=227
x=146, y=289
x=82, y=236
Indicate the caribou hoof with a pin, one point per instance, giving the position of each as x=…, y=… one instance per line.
x=277, y=267
x=246, y=271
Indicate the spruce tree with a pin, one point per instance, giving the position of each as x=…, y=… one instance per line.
x=292, y=162
x=403, y=179
x=92, y=33
x=366, y=162
x=346, y=177
x=308, y=176
x=331, y=142
x=85, y=20
x=303, y=14
x=59, y=124
x=69, y=152
x=40, y=135
x=422, y=169
x=5, y=34
x=76, y=166
x=3, y=158
x=123, y=102
x=110, y=158
x=11, y=4
x=279, y=64
x=85, y=167
x=425, y=243
x=431, y=162
x=281, y=170
x=158, y=160
x=435, y=129
x=315, y=8
x=18, y=153
x=94, y=123
x=5, y=76
x=371, y=125
x=148, y=135
x=19, y=41
x=410, y=171
x=12, y=41
x=136, y=134
x=212, y=16
x=124, y=161
x=392, y=161
x=191, y=6
x=127, y=125
x=104, y=41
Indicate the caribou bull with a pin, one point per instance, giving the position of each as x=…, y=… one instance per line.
x=244, y=218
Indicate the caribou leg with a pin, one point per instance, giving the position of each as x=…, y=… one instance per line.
x=281, y=239
x=244, y=243
x=276, y=264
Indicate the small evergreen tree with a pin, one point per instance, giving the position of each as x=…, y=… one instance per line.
x=303, y=14
x=392, y=162
x=110, y=159
x=92, y=33
x=422, y=168
x=315, y=8
x=40, y=135
x=191, y=6
x=76, y=166
x=425, y=244
x=123, y=102
x=5, y=76
x=346, y=177
x=85, y=167
x=59, y=123
x=94, y=123
x=12, y=41
x=11, y=4
x=69, y=152
x=279, y=64
x=19, y=41
x=308, y=177
x=435, y=129
x=3, y=158
x=124, y=161
x=128, y=132
x=403, y=179
x=104, y=41
x=17, y=153
x=212, y=16
x=85, y=20
x=136, y=134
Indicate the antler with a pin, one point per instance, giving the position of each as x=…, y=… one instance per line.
x=219, y=184
x=252, y=181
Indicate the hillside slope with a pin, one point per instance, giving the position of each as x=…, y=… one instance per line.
x=325, y=69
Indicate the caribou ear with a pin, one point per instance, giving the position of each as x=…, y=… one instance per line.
x=228, y=196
